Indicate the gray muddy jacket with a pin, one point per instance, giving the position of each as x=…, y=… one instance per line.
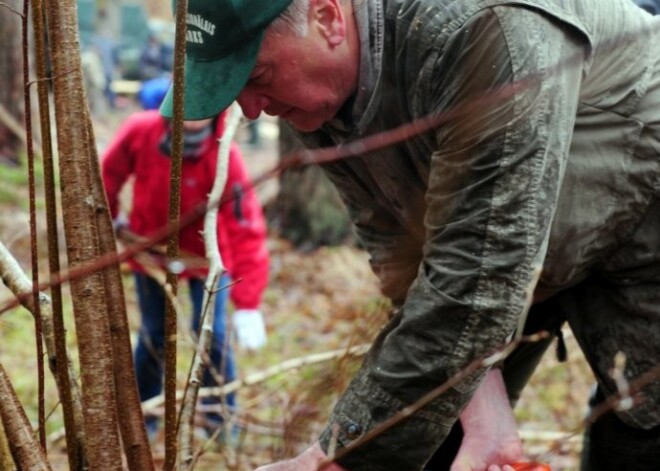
x=544, y=161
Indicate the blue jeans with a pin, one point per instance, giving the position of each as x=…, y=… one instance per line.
x=149, y=353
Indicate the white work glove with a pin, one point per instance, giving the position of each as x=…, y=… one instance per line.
x=250, y=328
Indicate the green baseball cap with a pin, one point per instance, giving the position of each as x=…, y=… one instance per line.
x=223, y=38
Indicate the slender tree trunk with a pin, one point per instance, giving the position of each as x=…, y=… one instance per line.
x=173, y=239
x=131, y=419
x=81, y=207
x=6, y=459
x=11, y=91
x=70, y=396
x=24, y=447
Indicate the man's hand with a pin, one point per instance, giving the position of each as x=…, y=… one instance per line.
x=309, y=460
x=490, y=440
x=250, y=329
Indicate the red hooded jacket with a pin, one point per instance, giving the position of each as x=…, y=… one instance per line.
x=135, y=152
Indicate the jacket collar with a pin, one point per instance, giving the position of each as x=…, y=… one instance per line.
x=360, y=109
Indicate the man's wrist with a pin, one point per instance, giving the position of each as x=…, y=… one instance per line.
x=315, y=456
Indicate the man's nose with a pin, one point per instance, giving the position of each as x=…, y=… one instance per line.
x=251, y=103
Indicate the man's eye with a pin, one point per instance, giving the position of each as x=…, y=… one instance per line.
x=259, y=78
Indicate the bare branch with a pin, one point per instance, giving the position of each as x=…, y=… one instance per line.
x=26, y=450
x=20, y=285
x=216, y=269
x=261, y=376
x=13, y=10
x=14, y=126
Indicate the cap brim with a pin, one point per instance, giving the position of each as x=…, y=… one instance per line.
x=211, y=86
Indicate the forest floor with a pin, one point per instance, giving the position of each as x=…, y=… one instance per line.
x=316, y=302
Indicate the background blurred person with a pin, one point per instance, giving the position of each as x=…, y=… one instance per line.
x=142, y=149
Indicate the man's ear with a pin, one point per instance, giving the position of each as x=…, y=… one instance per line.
x=328, y=18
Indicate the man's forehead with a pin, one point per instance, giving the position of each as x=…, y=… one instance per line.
x=278, y=43
x=264, y=59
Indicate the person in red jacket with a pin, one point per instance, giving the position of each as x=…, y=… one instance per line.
x=141, y=149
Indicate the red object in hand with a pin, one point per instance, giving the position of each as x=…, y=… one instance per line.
x=531, y=466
